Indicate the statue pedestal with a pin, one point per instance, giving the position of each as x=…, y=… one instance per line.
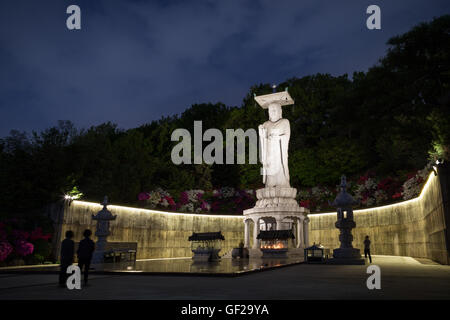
x=99, y=253
x=98, y=257
x=277, y=206
x=346, y=253
x=349, y=256
x=276, y=197
x=344, y=261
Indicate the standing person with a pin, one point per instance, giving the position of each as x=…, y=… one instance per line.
x=85, y=250
x=367, y=248
x=67, y=252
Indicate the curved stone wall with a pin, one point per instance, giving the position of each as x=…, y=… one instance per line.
x=158, y=234
x=413, y=228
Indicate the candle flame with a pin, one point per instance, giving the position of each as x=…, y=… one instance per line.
x=278, y=245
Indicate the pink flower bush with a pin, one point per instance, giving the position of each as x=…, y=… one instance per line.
x=168, y=202
x=23, y=248
x=305, y=203
x=184, y=198
x=5, y=250
x=368, y=190
x=16, y=242
x=205, y=206
x=225, y=199
x=37, y=234
x=397, y=195
x=143, y=196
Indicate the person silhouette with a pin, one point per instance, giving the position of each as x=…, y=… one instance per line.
x=367, y=248
x=67, y=252
x=85, y=250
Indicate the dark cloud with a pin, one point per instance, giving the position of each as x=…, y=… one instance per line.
x=135, y=61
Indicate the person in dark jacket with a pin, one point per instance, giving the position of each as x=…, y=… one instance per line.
x=367, y=248
x=85, y=250
x=67, y=252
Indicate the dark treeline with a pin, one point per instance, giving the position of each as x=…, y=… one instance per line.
x=390, y=120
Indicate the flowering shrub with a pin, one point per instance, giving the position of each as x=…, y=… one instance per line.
x=316, y=198
x=143, y=196
x=305, y=203
x=167, y=201
x=367, y=190
x=37, y=234
x=370, y=191
x=225, y=199
x=412, y=186
x=225, y=192
x=397, y=195
x=157, y=198
x=23, y=248
x=16, y=242
x=380, y=196
x=5, y=250
x=192, y=201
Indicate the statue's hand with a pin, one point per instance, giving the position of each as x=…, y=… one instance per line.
x=276, y=133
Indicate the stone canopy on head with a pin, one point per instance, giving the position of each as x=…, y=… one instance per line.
x=280, y=98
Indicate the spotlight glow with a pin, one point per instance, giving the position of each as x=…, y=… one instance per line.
x=139, y=210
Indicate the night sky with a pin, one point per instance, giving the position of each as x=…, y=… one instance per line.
x=135, y=61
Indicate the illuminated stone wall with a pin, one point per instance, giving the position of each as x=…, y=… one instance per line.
x=413, y=228
x=158, y=234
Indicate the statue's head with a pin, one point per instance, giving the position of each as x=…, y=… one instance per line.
x=275, y=112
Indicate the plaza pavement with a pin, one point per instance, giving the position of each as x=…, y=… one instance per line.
x=401, y=278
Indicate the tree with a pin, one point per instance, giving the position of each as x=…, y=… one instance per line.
x=419, y=61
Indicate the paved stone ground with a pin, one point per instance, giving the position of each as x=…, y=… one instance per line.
x=401, y=278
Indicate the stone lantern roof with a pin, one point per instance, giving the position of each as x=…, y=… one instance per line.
x=343, y=199
x=104, y=214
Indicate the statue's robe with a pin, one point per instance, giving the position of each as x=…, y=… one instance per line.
x=276, y=153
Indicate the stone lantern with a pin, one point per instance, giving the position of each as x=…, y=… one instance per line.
x=103, y=218
x=345, y=254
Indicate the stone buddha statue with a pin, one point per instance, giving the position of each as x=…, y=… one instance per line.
x=274, y=141
x=276, y=202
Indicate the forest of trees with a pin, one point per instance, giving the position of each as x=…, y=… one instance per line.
x=390, y=120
